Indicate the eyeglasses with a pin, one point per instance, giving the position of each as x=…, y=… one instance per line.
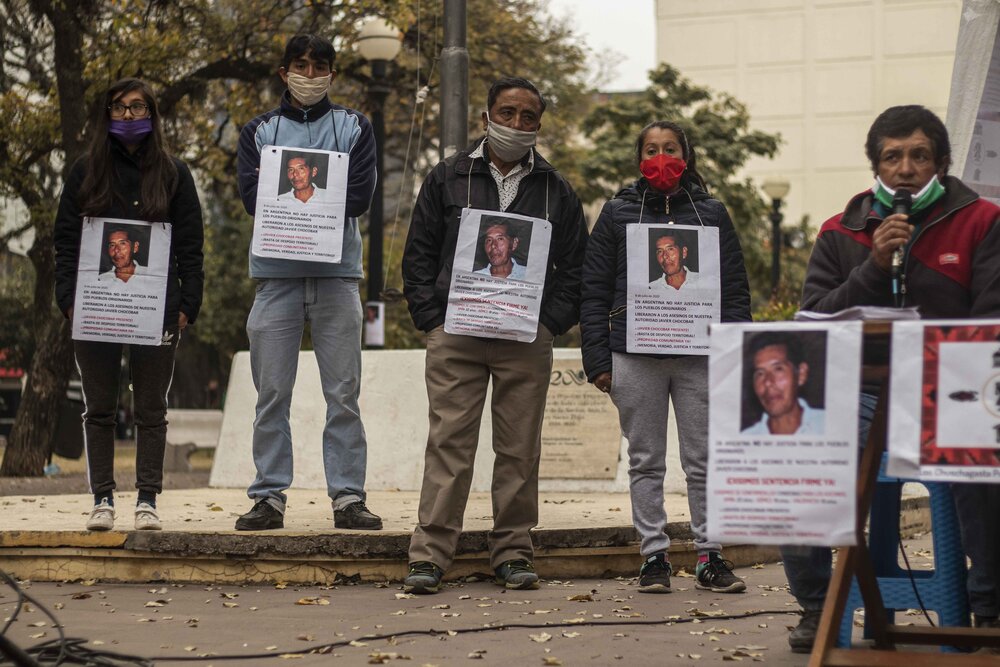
x=138, y=109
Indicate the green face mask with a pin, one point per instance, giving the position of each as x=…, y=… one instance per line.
x=928, y=194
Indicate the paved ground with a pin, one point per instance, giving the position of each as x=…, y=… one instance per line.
x=591, y=621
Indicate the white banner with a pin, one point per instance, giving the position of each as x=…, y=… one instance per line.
x=944, y=407
x=301, y=204
x=498, y=275
x=783, y=433
x=974, y=103
x=121, y=281
x=674, y=288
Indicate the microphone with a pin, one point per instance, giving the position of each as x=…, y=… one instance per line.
x=901, y=202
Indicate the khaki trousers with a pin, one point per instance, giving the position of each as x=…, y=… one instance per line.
x=458, y=370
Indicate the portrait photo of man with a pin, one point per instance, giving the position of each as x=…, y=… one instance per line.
x=783, y=383
x=673, y=260
x=503, y=250
x=125, y=253
x=303, y=177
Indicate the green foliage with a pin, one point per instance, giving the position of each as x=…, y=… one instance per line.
x=16, y=340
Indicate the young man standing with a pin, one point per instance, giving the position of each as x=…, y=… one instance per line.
x=292, y=292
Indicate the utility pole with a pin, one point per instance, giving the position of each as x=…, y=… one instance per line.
x=454, y=80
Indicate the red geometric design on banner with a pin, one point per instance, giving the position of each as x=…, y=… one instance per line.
x=930, y=453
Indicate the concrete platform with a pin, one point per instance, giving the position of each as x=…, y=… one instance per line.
x=579, y=535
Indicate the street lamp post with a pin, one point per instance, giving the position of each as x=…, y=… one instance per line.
x=378, y=43
x=777, y=190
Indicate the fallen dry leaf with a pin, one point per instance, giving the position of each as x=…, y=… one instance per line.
x=570, y=635
x=312, y=600
x=549, y=660
x=306, y=638
x=540, y=638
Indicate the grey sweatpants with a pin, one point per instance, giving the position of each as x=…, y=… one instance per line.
x=640, y=389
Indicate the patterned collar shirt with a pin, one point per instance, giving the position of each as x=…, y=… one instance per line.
x=506, y=185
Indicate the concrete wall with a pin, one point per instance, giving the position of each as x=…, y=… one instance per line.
x=818, y=72
x=394, y=410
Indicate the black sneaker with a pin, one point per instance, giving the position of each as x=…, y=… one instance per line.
x=424, y=578
x=717, y=576
x=263, y=516
x=517, y=575
x=804, y=635
x=654, y=575
x=356, y=517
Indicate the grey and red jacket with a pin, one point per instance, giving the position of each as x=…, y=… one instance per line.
x=951, y=267
x=604, y=294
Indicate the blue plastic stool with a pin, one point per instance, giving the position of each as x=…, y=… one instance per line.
x=942, y=589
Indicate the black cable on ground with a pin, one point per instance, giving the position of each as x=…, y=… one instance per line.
x=61, y=651
x=326, y=648
x=74, y=651
x=913, y=583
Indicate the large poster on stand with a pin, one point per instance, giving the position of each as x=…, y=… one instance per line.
x=498, y=275
x=301, y=204
x=944, y=406
x=783, y=442
x=121, y=281
x=674, y=288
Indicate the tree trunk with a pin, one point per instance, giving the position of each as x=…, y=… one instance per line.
x=34, y=426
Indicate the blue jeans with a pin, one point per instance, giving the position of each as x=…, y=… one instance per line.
x=809, y=569
x=281, y=308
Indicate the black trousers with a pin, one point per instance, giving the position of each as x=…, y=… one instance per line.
x=152, y=368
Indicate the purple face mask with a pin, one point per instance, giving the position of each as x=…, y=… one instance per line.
x=131, y=131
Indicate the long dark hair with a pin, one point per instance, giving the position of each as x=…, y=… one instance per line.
x=690, y=174
x=159, y=173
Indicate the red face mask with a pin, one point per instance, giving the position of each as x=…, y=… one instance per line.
x=663, y=171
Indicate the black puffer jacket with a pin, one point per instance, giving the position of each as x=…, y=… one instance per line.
x=430, y=243
x=185, y=277
x=605, y=290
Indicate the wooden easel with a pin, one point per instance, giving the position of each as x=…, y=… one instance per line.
x=856, y=561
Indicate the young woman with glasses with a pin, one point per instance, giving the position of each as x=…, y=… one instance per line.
x=127, y=174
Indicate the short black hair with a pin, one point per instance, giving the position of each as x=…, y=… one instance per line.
x=300, y=45
x=507, y=82
x=786, y=339
x=129, y=230
x=902, y=121
x=308, y=158
x=678, y=237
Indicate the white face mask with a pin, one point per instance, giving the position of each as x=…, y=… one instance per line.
x=308, y=91
x=508, y=144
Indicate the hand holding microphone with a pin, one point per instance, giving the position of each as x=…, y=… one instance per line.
x=901, y=203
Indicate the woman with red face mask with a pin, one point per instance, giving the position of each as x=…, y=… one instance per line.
x=670, y=192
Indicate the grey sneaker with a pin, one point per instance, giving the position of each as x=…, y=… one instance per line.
x=517, y=575
x=102, y=517
x=424, y=577
x=654, y=575
x=146, y=517
x=803, y=636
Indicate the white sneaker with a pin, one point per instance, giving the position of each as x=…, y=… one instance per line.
x=146, y=517
x=102, y=517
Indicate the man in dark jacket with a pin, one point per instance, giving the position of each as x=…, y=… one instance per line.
x=951, y=245
x=502, y=172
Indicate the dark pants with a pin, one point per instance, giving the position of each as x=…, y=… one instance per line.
x=978, y=507
x=809, y=569
x=100, y=369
